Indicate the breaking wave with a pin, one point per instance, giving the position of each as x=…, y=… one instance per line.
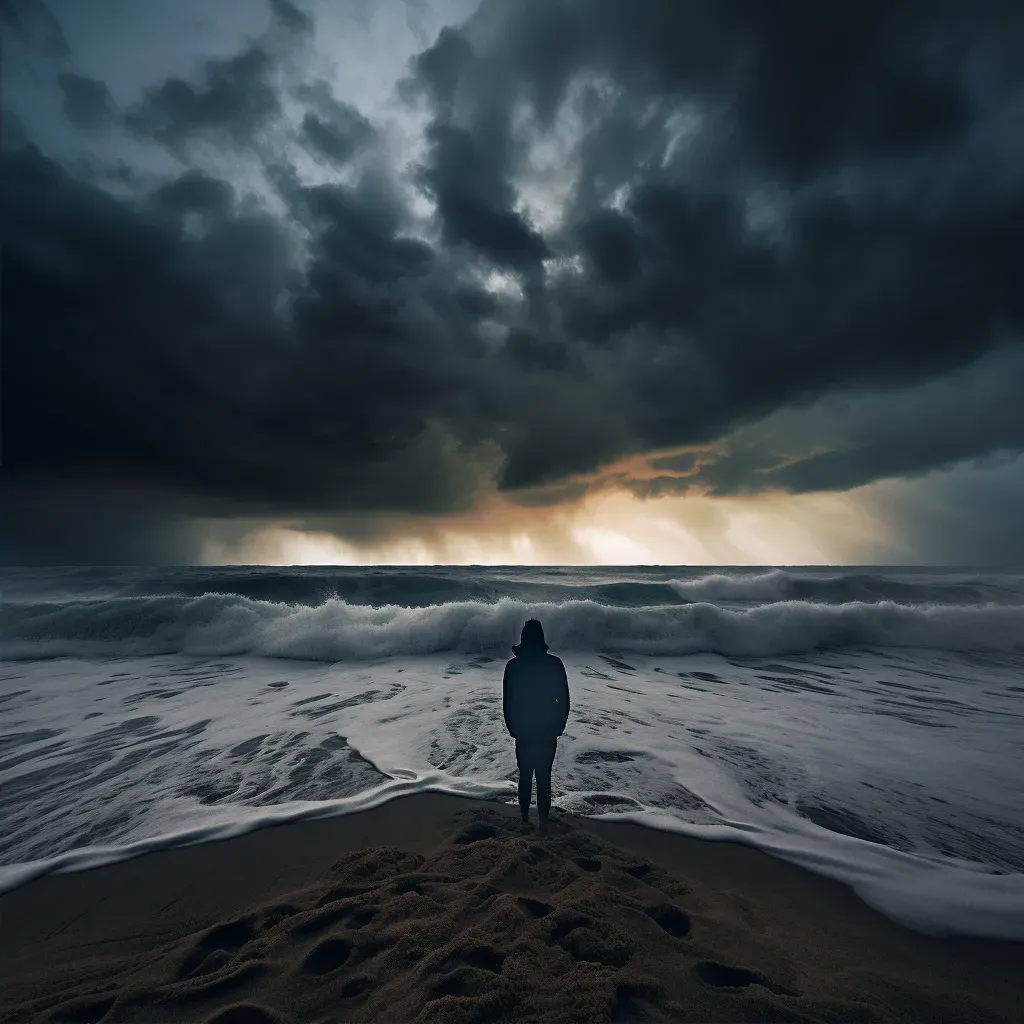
x=419, y=587
x=787, y=585
x=335, y=629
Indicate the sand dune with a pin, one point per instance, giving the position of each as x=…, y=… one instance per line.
x=433, y=908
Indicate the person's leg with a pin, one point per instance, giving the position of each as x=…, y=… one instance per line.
x=545, y=760
x=525, y=762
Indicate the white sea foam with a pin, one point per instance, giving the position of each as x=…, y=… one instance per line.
x=220, y=625
x=875, y=741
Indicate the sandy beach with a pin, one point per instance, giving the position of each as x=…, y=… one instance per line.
x=437, y=908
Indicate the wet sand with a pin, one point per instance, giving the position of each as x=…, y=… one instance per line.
x=437, y=908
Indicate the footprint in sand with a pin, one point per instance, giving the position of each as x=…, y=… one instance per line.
x=475, y=832
x=597, y=947
x=217, y=947
x=534, y=908
x=671, y=919
x=723, y=976
x=274, y=915
x=588, y=940
x=465, y=982
x=487, y=958
x=328, y=956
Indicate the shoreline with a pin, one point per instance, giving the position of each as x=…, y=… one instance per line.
x=123, y=933
x=985, y=905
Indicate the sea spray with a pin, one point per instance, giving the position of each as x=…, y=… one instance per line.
x=225, y=624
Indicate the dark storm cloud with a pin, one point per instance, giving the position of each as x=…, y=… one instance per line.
x=474, y=200
x=195, y=192
x=333, y=129
x=440, y=68
x=235, y=97
x=703, y=321
x=230, y=99
x=34, y=22
x=142, y=351
x=467, y=169
x=968, y=516
x=102, y=524
x=916, y=450
x=549, y=497
x=87, y=102
x=842, y=445
x=291, y=17
x=332, y=142
x=863, y=297
x=805, y=84
x=770, y=208
x=685, y=462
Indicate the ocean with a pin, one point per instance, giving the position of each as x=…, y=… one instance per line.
x=865, y=723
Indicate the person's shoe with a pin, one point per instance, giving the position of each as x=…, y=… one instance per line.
x=542, y=826
x=525, y=817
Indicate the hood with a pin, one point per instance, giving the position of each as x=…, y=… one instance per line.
x=529, y=649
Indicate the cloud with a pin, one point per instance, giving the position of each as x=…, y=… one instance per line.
x=475, y=202
x=48, y=522
x=235, y=97
x=969, y=515
x=195, y=192
x=843, y=442
x=87, y=102
x=881, y=270
x=146, y=347
x=439, y=69
x=230, y=99
x=291, y=17
x=333, y=129
x=773, y=248
x=34, y=22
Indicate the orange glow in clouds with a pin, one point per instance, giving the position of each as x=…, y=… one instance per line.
x=610, y=528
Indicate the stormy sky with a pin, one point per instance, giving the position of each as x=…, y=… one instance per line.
x=720, y=281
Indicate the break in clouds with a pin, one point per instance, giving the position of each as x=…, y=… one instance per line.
x=666, y=247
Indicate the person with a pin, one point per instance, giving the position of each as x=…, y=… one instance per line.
x=535, y=700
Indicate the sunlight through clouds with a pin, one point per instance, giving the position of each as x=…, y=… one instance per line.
x=475, y=281
x=611, y=529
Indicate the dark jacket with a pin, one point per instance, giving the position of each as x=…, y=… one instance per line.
x=535, y=694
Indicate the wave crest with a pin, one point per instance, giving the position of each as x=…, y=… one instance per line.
x=334, y=630
x=785, y=585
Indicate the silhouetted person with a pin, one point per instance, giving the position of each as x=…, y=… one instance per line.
x=535, y=695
